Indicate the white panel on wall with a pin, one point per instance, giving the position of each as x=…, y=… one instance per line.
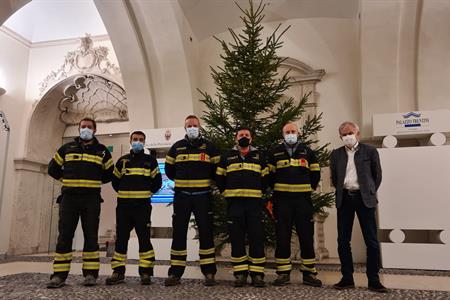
x=414, y=198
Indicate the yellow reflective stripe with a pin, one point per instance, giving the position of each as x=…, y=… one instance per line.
x=81, y=183
x=314, y=167
x=59, y=160
x=193, y=157
x=154, y=172
x=85, y=157
x=239, y=259
x=242, y=193
x=108, y=164
x=134, y=194
x=305, y=268
x=91, y=255
x=206, y=261
x=284, y=268
x=221, y=171
x=91, y=265
x=257, y=260
x=148, y=254
x=117, y=173
x=215, y=159
x=116, y=264
x=265, y=171
x=63, y=256
x=240, y=268
x=175, y=262
x=293, y=162
x=137, y=171
x=272, y=168
x=284, y=187
x=256, y=269
x=119, y=256
x=178, y=252
x=207, y=251
x=192, y=183
x=170, y=160
x=283, y=260
x=146, y=264
x=244, y=166
x=61, y=267
x=308, y=261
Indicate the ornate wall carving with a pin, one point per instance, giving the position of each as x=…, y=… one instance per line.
x=93, y=96
x=86, y=59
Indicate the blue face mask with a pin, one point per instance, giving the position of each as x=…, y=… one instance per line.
x=192, y=132
x=137, y=146
x=86, y=134
x=290, y=138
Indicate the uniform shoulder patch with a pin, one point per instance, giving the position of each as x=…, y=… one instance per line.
x=278, y=154
x=232, y=157
x=180, y=148
x=202, y=146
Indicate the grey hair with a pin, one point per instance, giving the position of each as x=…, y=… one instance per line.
x=348, y=123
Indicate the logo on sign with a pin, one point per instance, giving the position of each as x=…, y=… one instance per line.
x=412, y=121
x=168, y=134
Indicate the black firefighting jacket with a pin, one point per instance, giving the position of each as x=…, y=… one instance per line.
x=298, y=173
x=82, y=168
x=136, y=178
x=242, y=177
x=192, y=164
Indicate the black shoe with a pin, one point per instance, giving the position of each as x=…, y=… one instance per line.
x=311, y=280
x=209, y=280
x=282, y=279
x=378, y=287
x=258, y=281
x=115, y=278
x=240, y=280
x=172, y=280
x=56, y=282
x=344, y=284
x=146, y=279
x=90, y=280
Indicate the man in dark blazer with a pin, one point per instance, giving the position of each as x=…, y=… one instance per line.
x=356, y=175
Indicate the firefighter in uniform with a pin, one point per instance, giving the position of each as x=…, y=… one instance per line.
x=241, y=177
x=136, y=177
x=191, y=163
x=82, y=166
x=295, y=173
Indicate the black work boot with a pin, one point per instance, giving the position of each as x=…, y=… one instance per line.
x=258, y=281
x=240, y=280
x=115, y=278
x=172, y=280
x=282, y=279
x=90, y=280
x=377, y=286
x=146, y=279
x=209, y=280
x=311, y=280
x=344, y=284
x=56, y=282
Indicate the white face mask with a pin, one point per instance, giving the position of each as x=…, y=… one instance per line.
x=349, y=140
x=291, y=138
x=86, y=134
x=192, y=132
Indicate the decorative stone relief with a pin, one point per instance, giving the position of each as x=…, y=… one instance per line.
x=86, y=59
x=95, y=97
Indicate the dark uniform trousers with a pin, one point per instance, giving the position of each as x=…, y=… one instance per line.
x=295, y=210
x=137, y=216
x=73, y=207
x=245, y=219
x=184, y=204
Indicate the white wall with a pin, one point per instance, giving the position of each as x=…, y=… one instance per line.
x=13, y=70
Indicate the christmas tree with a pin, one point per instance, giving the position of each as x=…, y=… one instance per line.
x=250, y=92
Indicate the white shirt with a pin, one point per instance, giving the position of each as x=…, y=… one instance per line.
x=351, y=176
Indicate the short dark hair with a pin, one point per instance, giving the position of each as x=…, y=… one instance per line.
x=239, y=128
x=192, y=117
x=137, y=132
x=89, y=120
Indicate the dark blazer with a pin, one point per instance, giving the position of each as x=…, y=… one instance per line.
x=368, y=168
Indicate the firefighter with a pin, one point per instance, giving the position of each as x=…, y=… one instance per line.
x=136, y=177
x=191, y=163
x=241, y=178
x=82, y=166
x=295, y=173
